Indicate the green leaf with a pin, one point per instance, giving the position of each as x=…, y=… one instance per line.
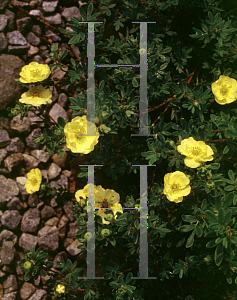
x=189, y=218
x=186, y=228
x=61, y=122
x=231, y=175
x=134, y=82
x=219, y=253
x=128, y=278
x=199, y=230
x=190, y=240
x=211, y=216
x=211, y=244
x=83, y=14
x=43, y=272
x=90, y=10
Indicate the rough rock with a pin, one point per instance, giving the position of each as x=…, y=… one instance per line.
x=3, y=22
x=58, y=73
x=30, y=220
x=11, y=219
x=10, y=67
x=54, y=19
x=41, y=155
x=28, y=241
x=32, y=51
x=33, y=200
x=10, y=296
x=39, y=295
x=27, y=290
x=49, y=6
x=10, y=284
x=36, y=29
x=70, y=12
x=15, y=204
x=35, y=119
x=48, y=238
x=51, y=35
x=47, y=212
x=24, y=24
x=37, y=12
x=29, y=139
x=8, y=188
x=61, y=256
x=3, y=4
x=31, y=162
x=62, y=99
x=16, y=38
x=8, y=236
x=37, y=58
x=62, y=226
x=60, y=161
x=73, y=229
x=11, y=20
x=72, y=248
x=16, y=146
x=33, y=39
x=52, y=222
x=67, y=242
x=4, y=42
x=21, y=126
x=57, y=111
x=3, y=154
x=53, y=171
x=21, y=180
x=7, y=253
x=4, y=138
x=69, y=210
x=14, y=161
x=62, y=182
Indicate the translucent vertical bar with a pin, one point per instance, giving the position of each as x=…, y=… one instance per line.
x=143, y=101
x=143, y=253
x=91, y=226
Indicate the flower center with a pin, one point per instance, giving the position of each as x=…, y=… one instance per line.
x=195, y=151
x=35, y=72
x=223, y=90
x=34, y=181
x=34, y=93
x=79, y=136
x=105, y=203
x=175, y=187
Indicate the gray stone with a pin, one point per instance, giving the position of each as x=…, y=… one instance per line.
x=48, y=238
x=8, y=188
x=10, y=296
x=41, y=155
x=37, y=281
x=72, y=248
x=53, y=171
x=62, y=182
x=33, y=200
x=43, y=51
x=69, y=210
x=15, y=146
x=70, y=12
x=37, y=58
x=21, y=184
x=16, y=38
x=52, y=222
x=39, y=295
x=73, y=229
x=31, y=162
x=3, y=154
x=11, y=20
x=58, y=73
x=44, y=279
x=47, y=212
x=67, y=173
x=36, y=29
x=27, y=290
x=8, y=236
x=32, y=51
x=60, y=161
x=45, y=174
x=54, y=19
x=36, y=119
x=15, y=204
x=3, y=22
x=29, y=139
x=11, y=219
x=30, y=220
x=49, y=6
x=28, y=241
x=14, y=161
x=57, y=111
x=5, y=124
x=18, y=49
x=33, y=39
x=3, y=4
x=24, y=24
x=62, y=99
x=4, y=171
x=51, y=35
x=4, y=42
x=21, y=126
x=61, y=256
x=10, y=67
x=2, y=274
x=4, y=138
x=7, y=252
x=10, y=284
x=37, y=13
x=54, y=94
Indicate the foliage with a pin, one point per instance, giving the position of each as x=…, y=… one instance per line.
x=191, y=244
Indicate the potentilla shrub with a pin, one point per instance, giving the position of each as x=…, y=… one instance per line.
x=190, y=146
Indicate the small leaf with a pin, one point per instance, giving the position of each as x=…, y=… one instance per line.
x=43, y=272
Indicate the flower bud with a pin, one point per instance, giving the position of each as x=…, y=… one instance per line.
x=207, y=258
x=109, y=217
x=88, y=235
x=27, y=265
x=60, y=289
x=105, y=232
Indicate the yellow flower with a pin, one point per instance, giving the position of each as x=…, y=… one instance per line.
x=109, y=199
x=81, y=195
x=36, y=96
x=34, y=179
x=224, y=90
x=176, y=185
x=196, y=152
x=75, y=141
x=34, y=72
x=60, y=289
